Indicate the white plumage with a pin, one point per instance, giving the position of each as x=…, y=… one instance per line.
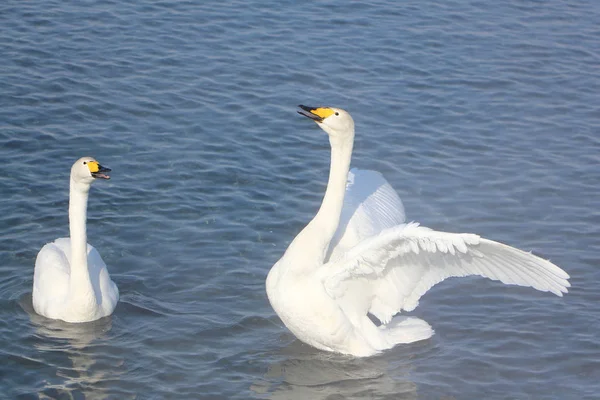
x=358, y=256
x=52, y=278
x=403, y=262
x=370, y=206
x=70, y=281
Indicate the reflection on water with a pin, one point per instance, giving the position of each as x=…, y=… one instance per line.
x=305, y=373
x=81, y=343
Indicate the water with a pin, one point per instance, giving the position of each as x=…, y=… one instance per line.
x=484, y=116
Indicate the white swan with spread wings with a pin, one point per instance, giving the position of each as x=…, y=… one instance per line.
x=358, y=256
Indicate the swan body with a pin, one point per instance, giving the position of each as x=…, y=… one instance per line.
x=358, y=256
x=70, y=281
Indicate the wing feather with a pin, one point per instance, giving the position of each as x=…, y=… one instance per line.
x=370, y=206
x=403, y=262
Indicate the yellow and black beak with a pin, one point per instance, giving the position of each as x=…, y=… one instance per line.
x=97, y=170
x=317, y=114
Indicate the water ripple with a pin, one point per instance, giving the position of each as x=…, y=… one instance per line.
x=483, y=116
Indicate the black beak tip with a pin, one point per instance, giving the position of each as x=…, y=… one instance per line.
x=101, y=173
x=307, y=112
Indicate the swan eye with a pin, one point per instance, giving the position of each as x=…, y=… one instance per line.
x=337, y=113
x=84, y=162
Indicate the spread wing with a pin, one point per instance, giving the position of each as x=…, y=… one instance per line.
x=370, y=206
x=389, y=272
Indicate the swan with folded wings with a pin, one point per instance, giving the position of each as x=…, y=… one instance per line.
x=70, y=279
x=358, y=256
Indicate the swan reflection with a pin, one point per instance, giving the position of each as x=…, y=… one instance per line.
x=300, y=372
x=82, y=343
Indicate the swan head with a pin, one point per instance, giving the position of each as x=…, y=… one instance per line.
x=86, y=170
x=336, y=122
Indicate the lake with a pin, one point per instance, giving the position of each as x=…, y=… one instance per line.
x=484, y=116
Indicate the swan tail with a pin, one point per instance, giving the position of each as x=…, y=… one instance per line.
x=406, y=330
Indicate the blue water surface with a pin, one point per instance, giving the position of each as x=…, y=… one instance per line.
x=483, y=115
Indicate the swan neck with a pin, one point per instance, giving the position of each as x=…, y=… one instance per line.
x=309, y=248
x=78, y=199
x=328, y=216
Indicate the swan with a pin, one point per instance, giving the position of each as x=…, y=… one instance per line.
x=359, y=258
x=70, y=281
